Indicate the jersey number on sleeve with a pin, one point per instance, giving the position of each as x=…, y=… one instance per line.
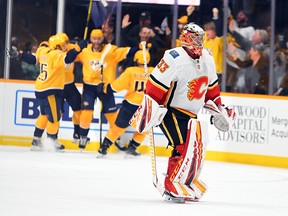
x=162, y=66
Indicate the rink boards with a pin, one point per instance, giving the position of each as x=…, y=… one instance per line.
x=259, y=135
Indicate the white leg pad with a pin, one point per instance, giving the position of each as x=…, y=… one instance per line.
x=182, y=179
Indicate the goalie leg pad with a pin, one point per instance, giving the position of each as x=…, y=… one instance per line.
x=148, y=115
x=185, y=164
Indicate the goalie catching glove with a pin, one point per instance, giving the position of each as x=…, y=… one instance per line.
x=148, y=115
x=222, y=116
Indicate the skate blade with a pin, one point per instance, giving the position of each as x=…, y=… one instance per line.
x=75, y=141
x=130, y=156
x=168, y=198
x=99, y=155
x=36, y=148
x=59, y=150
x=81, y=150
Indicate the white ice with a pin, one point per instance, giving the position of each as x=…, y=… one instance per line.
x=74, y=184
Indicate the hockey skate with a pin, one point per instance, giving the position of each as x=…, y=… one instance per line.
x=168, y=197
x=36, y=144
x=82, y=143
x=120, y=146
x=76, y=139
x=103, y=148
x=102, y=152
x=132, y=151
x=58, y=146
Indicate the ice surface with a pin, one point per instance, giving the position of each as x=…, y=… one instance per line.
x=78, y=184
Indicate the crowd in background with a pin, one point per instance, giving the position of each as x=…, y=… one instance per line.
x=247, y=51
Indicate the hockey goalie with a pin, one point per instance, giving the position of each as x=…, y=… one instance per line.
x=181, y=84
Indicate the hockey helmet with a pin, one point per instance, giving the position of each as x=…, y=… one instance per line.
x=64, y=36
x=96, y=33
x=55, y=41
x=138, y=57
x=192, y=37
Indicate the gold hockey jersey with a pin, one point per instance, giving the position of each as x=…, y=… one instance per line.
x=91, y=67
x=51, y=75
x=134, y=81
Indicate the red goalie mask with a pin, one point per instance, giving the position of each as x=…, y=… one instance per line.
x=192, y=37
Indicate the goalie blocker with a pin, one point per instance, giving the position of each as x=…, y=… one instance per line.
x=148, y=115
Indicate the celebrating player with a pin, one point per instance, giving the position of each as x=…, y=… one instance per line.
x=133, y=79
x=71, y=93
x=93, y=72
x=49, y=88
x=183, y=81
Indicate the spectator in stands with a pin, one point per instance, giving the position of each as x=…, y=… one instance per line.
x=145, y=34
x=283, y=89
x=108, y=32
x=30, y=71
x=214, y=45
x=15, y=63
x=239, y=32
x=257, y=75
x=193, y=14
x=260, y=36
x=132, y=32
x=242, y=27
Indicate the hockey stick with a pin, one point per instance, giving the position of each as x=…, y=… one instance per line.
x=101, y=62
x=88, y=19
x=155, y=181
x=104, y=3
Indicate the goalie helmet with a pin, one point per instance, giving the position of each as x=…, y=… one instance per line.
x=138, y=57
x=192, y=37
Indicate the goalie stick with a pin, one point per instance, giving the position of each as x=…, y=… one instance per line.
x=101, y=62
x=156, y=183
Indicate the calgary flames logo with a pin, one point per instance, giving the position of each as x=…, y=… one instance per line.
x=197, y=88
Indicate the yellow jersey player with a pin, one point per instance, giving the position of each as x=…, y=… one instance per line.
x=71, y=93
x=133, y=80
x=49, y=87
x=90, y=58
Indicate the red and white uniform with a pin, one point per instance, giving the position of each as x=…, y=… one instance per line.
x=184, y=83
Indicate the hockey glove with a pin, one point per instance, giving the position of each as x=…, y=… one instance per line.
x=82, y=44
x=222, y=116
